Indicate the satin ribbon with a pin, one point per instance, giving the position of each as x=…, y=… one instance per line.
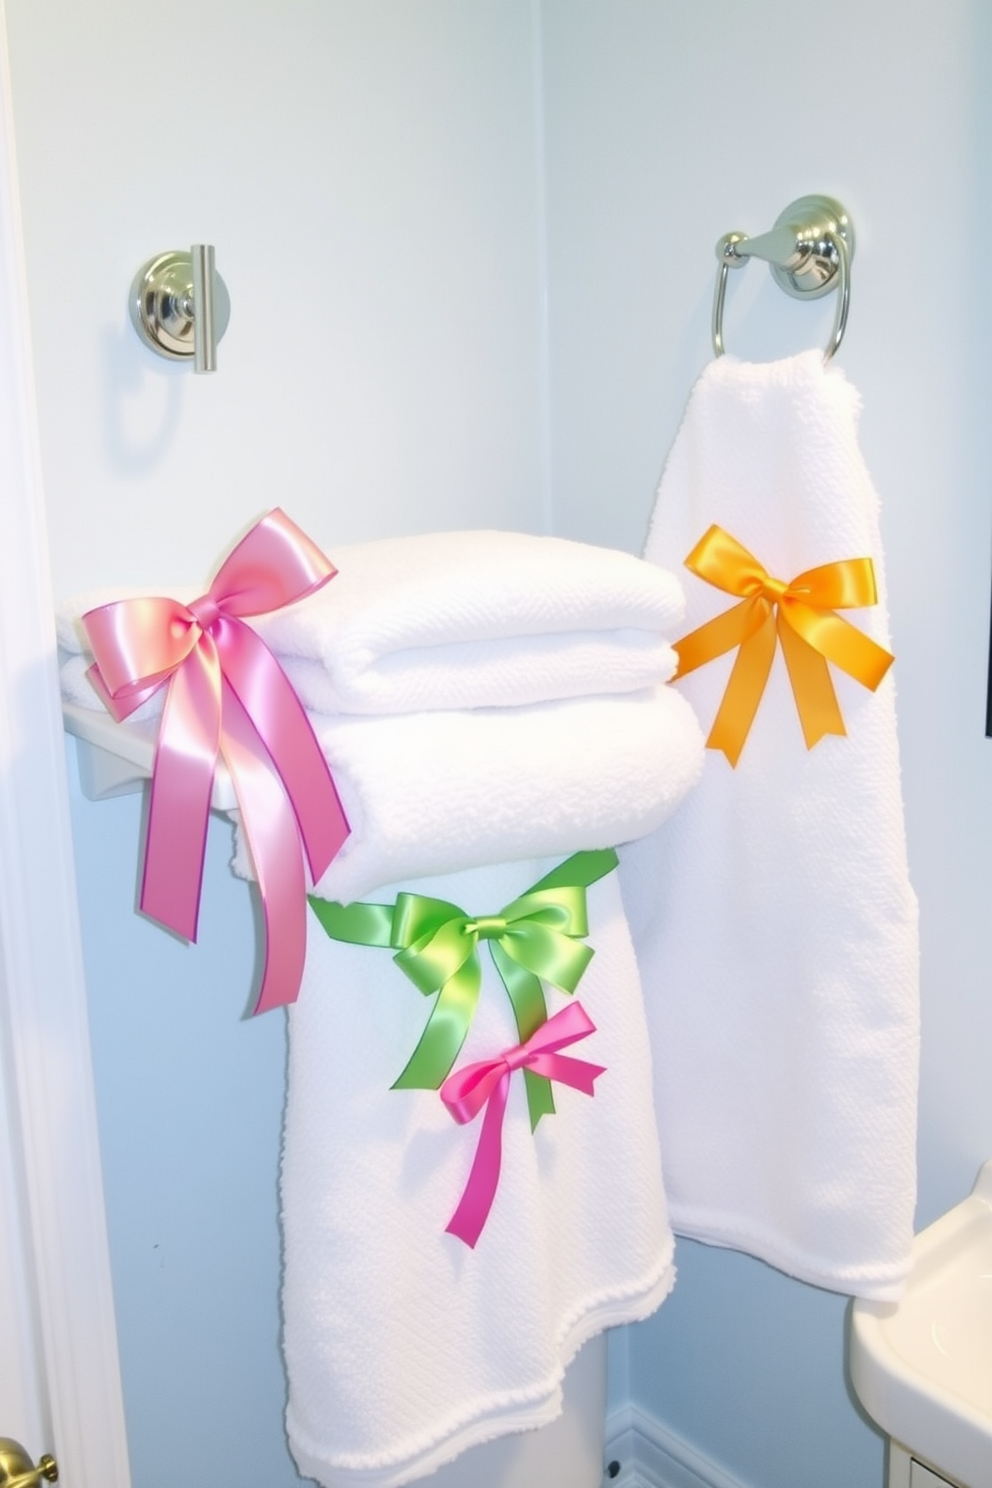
x=227, y=696
x=800, y=615
x=539, y=936
x=487, y=1083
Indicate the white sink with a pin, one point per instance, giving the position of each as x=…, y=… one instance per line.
x=922, y=1367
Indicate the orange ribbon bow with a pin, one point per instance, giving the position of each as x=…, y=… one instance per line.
x=801, y=615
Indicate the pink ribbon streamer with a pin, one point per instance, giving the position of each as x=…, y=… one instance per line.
x=487, y=1083
x=228, y=696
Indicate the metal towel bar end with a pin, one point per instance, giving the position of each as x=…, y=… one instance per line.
x=809, y=251
x=180, y=307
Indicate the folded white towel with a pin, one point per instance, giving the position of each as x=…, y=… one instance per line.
x=476, y=619
x=773, y=917
x=404, y=1347
x=464, y=620
x=439, y=792
x=76, y=688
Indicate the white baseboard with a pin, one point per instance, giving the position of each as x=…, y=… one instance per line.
x=652, y=1456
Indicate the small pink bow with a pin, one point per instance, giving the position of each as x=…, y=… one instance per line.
x=487, y=1083
x=228, y=696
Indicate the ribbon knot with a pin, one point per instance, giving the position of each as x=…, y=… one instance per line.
x=227, y=696
x=487, y=1084
x=488, y=927
x=205, y=611
x=538, y=937
x=799, y=615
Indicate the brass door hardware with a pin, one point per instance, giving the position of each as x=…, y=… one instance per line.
x=16, y=1470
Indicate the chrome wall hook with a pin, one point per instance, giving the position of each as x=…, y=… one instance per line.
x=809, y=251
x=180, y=306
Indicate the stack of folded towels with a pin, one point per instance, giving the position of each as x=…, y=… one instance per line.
x=489, y=703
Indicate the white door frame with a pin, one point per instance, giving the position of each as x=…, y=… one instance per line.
x=59, y=1369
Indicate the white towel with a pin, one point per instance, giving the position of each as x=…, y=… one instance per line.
x=773, y=916
x=456, y=620
x=452, y=620
x=438, y=792
x=75, y=687
x=403, y=1346
x=432, y=793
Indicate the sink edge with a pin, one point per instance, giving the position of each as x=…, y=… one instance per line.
x=918, y=1411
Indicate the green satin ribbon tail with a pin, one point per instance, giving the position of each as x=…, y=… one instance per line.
x=583, y=868
x=359, y=924
x=447, y=1026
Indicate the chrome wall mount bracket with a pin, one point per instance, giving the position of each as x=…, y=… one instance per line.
x=809, y=252
x=180, y=306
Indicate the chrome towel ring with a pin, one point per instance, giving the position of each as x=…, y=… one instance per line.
x=809, y=251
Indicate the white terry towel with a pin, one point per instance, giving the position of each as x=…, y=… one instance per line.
x=451, y=620
x=455, y=620
x=403, y=1346
x=773, y=916
x=438, y=792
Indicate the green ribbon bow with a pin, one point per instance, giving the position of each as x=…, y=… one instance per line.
x=538, y=937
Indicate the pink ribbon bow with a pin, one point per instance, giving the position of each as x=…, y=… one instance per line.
x=227, y=695
x=488, y=1083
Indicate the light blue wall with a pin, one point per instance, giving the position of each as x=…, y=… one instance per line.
x=668, y=125
x=665, y=124
x=370, y=176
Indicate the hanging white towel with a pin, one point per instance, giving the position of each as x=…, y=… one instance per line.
x=773, y=916
x=403, y=1346
x=451, y=620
